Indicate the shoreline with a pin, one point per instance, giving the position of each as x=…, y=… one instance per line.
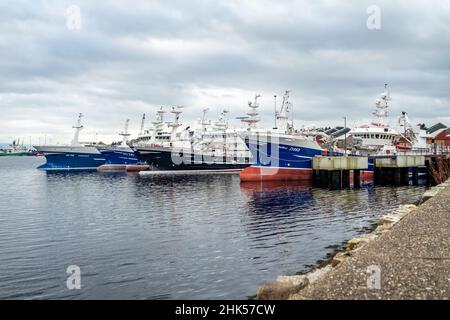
x=302, y=285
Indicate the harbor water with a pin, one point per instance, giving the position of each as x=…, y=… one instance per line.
x=168, y=237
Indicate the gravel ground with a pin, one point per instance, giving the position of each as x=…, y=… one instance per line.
x=413, y=260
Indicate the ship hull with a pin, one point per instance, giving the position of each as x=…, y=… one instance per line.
x=119, y=157
x=160, y=158
x=280, y=158
x=367, y=176
x=70, y=158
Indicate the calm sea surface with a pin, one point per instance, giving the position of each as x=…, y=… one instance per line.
x=174, y=237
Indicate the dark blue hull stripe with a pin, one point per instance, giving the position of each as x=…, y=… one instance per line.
x=119, y=157
x=286, y=157
x=67, y=161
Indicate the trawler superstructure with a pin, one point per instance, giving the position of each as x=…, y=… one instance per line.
x=379, y=138
x=157, y=135
x=201, y=147
x=376, y=137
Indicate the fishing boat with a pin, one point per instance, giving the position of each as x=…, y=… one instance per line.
x=118, y=155
x=14, y=149
x=414, y=139
x=282, y=153
x=75, y=156
x=379, y=139
x=376, y=137
x=174, y=146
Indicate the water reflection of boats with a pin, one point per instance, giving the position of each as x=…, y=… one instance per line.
x=274, y=185
x=277, y=196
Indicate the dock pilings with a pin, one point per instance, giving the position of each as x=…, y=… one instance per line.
x=338, y=172
x=345, y=171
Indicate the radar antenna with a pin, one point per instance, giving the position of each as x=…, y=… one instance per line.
x=252, y=118
x=382, y=105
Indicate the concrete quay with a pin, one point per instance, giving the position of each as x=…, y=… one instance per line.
x=406, y=257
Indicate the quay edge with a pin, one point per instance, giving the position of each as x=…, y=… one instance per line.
x=344, y=278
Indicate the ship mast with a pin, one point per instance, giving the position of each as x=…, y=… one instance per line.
x=222, y=122
x=158, y=125
x=77, y=128
x=175, y=124
x=203, y=122
x=253, y=119
x=282, y=118
x=142, y=125
x=403, y=121
x=125, y=133
x=382, y=105
x=275, y=110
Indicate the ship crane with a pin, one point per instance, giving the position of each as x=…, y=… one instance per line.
x=403, y=121
x=408, y=133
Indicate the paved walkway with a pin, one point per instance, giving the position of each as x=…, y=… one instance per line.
x=413, y=260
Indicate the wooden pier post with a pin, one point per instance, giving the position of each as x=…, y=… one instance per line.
x=397, y=177
x=395, y=170
x=335, y=181
x=405, y=175
x=334, y=172
x=382, y=176
x=415, y=176
x=356, y=178
x=324, y=178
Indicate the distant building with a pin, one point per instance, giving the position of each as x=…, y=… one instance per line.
x=438, y=136
x=442, y=140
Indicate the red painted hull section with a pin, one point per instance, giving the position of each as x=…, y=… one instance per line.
x=366, y=176
x=136, y=167
x=255, y=174
x=275, y=174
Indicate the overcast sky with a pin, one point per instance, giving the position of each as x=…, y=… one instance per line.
x=127, y=58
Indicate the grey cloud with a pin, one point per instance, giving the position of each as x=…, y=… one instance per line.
x=130, y=58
